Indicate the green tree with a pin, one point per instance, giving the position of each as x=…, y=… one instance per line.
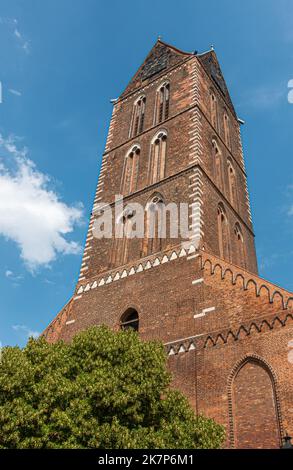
x=103, y=390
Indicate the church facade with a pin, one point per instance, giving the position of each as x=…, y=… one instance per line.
x=174, y=137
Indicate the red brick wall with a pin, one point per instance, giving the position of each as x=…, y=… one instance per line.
x=254, y=408
x=211, y=199
x=212, y=315
x=250, y=319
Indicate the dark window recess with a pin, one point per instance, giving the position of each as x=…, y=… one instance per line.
x=161, y=112
x=136, y=125
x=167, y=109
x=141, y=123
x=163, y=103
x=130, y=320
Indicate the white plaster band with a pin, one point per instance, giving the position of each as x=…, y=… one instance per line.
x=197, y=281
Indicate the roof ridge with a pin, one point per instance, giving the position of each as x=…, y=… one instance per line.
x=173, y=47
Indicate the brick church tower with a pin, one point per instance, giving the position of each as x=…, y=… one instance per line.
x=174, y=137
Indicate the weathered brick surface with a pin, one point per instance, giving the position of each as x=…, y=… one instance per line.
x=227, y=332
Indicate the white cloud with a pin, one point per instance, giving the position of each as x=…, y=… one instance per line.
x=9, y=21
x=13, y=26
x=264, y=97
x=48, y=281
x=28, y=332
x=17, y=34
x=13, y=277
x=26, y=47
x=32, y=214
x=14, y=92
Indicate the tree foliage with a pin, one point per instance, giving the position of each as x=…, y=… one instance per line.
x=103, y=390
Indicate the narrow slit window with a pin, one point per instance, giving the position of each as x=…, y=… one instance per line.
x=162, y=103
x=158, y=157
x=217, y=164
x=232, y=185
x=223, y=234
x=130, y=170
x=154, y=225
x=227, y=131
x=214, y=111
x=138, y=114
x=240, y=251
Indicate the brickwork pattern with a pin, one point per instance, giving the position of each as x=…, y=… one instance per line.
x=226, y=330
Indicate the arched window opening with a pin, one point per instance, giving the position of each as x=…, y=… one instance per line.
x=240, y=251
x=227, y=130
x=214, y=111
x=261, y=410
x=154, y=225
x=223, y=234
x=158, y=157
x=162, y=103
x=130, y=170
x=217, y=163
x=137, y=121
x=129, y=320
x=232, y=185
x=123, y=242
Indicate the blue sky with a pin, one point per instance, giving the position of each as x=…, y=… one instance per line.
x=60, y=63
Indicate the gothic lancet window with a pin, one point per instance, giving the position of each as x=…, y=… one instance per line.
x=154, y=225
x=223, y=233
x=227, y=130
x=240, y=251
x=137, y=121
x=162, y=103
x=122, y=245
x=130, y=170
x=232, y=185
x=158, y=157
x=214, y=111
x=129, y=320
x=217, y=163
